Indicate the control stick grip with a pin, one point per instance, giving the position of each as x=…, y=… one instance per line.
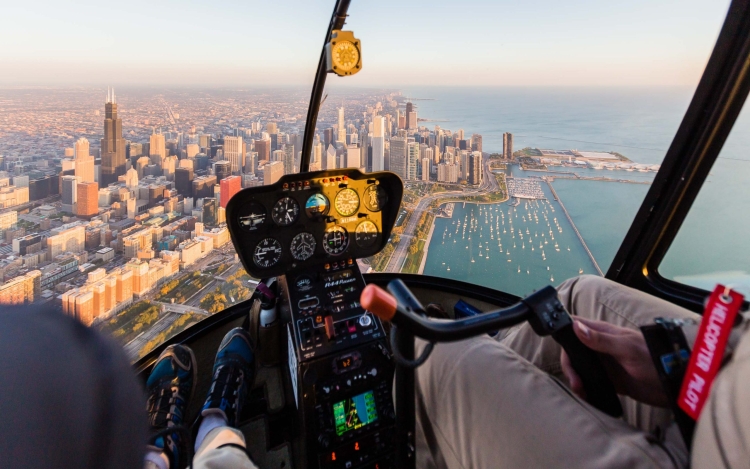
x=600, y=392
x=379, y=302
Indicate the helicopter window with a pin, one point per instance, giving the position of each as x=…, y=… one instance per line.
x=719, y=214
x=516, y=175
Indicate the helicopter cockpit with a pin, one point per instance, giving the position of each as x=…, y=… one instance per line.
x=335, y=382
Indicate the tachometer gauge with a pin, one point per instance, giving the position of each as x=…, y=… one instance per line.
x=252, y=217
x=336, y=240
x=374, y=198
x=267, y=253
x=347, y=202
x=317, y=205
x=366, y=234
x=303, y=246
x=285, y=211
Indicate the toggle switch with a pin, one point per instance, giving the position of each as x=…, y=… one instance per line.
x=330, y=330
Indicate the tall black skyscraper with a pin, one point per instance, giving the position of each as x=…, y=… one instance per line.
x=112, y=145
x=409, y=110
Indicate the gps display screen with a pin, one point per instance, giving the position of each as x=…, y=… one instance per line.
x=354, y=412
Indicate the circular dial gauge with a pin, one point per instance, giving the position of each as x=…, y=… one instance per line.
x=267, y=253
x=345, y=55
x=366, y=234
x=374, y=198
x=285, y=211
x=252, y=217
x=347, y=202
x=303, y=246
x=336, y=240
x=317, y=205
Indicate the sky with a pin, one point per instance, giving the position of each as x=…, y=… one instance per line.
x=404, y=43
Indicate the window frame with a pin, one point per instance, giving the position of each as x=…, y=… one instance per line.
x=716, y=104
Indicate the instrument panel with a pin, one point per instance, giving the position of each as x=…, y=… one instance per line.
x=312, y=218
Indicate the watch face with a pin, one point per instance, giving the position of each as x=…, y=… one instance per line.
x=336, y=240
x=374, y=198
x=366, y=234
x=285, y=211
x=267, y=253
x=303, y=246
x=317, y=205
x=347, y=202
x=345, y=55
x=253, y=217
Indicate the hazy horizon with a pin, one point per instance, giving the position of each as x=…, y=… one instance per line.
x=475, y=43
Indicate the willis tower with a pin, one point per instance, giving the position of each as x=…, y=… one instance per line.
x=113, y=145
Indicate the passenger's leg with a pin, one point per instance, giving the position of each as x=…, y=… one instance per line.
x=597, y=298
x=218, y=443
x=481, y=405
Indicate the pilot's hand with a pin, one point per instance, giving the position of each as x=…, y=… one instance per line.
x=626, y=358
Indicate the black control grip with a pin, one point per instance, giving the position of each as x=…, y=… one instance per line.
x=404, y=296
x=599, y=389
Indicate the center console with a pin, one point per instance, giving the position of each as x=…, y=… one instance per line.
x=308, y=230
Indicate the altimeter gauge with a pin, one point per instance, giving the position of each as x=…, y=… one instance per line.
x=346, y=202
x=285, y=211
x=267, y=253
x=303, y=246
x=336, y=240
x=343, y=53
x=366, y=234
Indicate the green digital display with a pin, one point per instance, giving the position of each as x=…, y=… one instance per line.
x=354, y=412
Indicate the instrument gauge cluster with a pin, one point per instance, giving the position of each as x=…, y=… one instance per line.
x=312, y=219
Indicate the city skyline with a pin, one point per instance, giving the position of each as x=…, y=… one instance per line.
x=591, y=43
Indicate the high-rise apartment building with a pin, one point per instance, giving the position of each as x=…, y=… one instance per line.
x=157, y=148
x=426, y=165
x=476, y=143
x=288, y=159
x=508, y=145
x=229, y=187
x=272, y=172
x=22, y=289
x=475, y=168
x=378, y=143
x=222, y=169
x=69, y=193
x=263, y=148
x=84, y=162
x=412, y=161
x=112, y=145
x=353, y=157
x=409, y=110
x=87, y=204
x=192, y=149
x=234, y=154
x=398, y=160
x=341, y=126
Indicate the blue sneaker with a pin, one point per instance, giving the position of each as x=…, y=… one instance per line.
x=170, y=387
x=233, y=375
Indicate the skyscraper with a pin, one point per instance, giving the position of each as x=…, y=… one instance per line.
x=84, y=162
x=112, y=145
x=342, y=127
x=222, y=169
x=475, y=168
x=378, y=143
x=88, y=199
x=508, y=145
x=409, y=110
x=398, y=157
x=229, y=187
x=183, y=180
x=272, y=172
x=412, y=161
x=233, y=153
x=263, y=148
x=288, y=159
x=69, y=193
x=476, y=143
x=157, y=148
x=330, y=158
x=353, y=157
x=425, y=169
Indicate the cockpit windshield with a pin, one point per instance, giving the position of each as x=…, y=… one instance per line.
x=526, y=136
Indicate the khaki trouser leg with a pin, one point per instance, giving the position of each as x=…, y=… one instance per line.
x=490, y=403
x=213, y=454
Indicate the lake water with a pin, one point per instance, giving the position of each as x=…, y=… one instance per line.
x=638, y=123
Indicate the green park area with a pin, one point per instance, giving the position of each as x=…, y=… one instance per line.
x=131, y=321
x=234, y=290
x=417, y=244
x=179, y=325
x=180, y=289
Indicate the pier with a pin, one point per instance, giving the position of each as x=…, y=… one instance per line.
x=578, y=233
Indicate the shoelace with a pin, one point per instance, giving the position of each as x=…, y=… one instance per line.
x=165, y=403
x=226, y=376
